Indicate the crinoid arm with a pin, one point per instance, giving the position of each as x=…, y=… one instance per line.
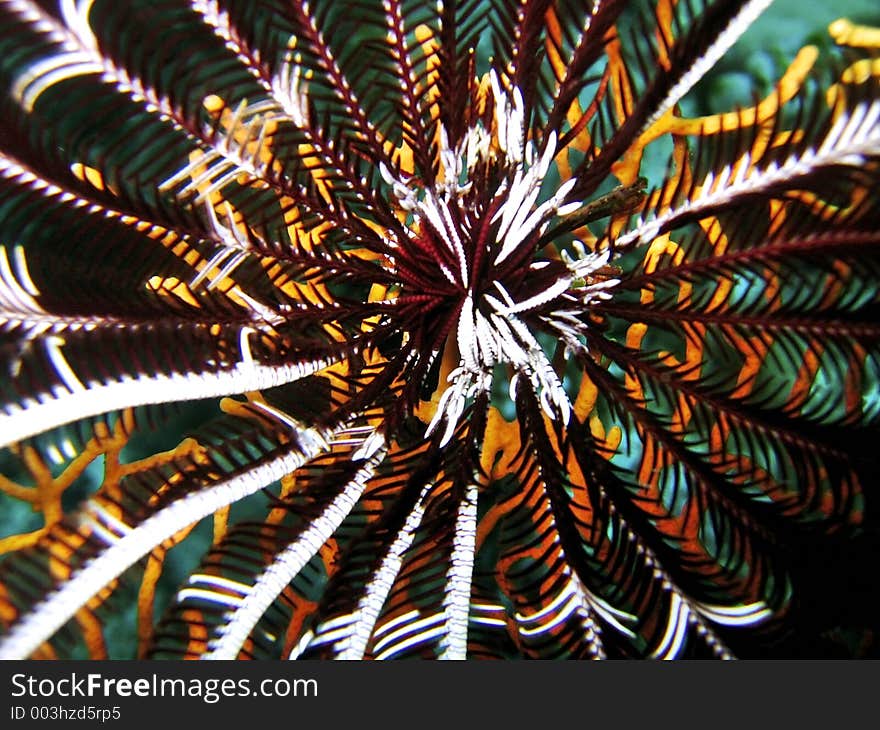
x=389, y=329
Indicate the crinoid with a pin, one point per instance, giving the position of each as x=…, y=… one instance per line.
x=387, y=313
